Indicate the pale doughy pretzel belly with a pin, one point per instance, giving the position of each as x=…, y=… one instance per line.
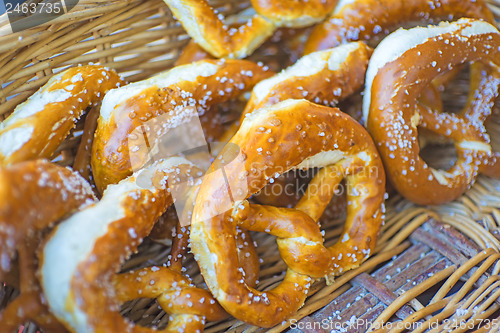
x=272, y=140
x=37, y=127
x=395, y=78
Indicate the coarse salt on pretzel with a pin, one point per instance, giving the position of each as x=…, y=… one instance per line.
x=400, y=68
x=37, y=127
x=82, y=254
x=34, y=195
x=177, y=96
x=272, y=140
x=323, y=77
x=355, y=20
x=207, y=29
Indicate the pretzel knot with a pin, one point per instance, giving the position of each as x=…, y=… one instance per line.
x=37, y=127
x=394, y=82
x=273, y=140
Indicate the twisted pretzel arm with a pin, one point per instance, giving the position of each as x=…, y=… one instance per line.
x=393, y=114
x=176, y=96
x=37, y=127
x=34, y=195
x=273, y=140
x=366, y=19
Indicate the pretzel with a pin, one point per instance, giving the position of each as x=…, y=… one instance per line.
x=354, y=20
x=33, y=195
x=177, y=96
x=324, y=77
x=272, y=140
x=393, y=84
x=37, y=127
x=206, y=28
x=80, y=258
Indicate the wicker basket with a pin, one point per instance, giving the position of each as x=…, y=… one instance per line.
x=432, y=265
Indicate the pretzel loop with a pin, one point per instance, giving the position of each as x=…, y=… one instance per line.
x=272, y=140
x=34, y=195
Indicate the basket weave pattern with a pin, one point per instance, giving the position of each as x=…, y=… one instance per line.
x=431, y=263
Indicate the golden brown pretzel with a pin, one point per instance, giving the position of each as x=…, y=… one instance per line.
x=272, y=140
x=91, y=244
x=178, y=96
x=355, y=20
x=34, y=195
x=395, y=78
x=206, y=28
x=37, y=127
x=324, y=77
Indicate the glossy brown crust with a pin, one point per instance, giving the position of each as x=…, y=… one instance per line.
x=296, y=13
x=191, y=53
x=288, y=133
x=110, y=152
x=394, y=115
x=366, y=19
x=327, y=86
x=34, y=195
x=206, y=28
x=92, y=286
x=52, y=123
x=172, y=290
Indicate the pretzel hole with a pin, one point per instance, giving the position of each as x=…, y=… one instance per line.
x=452, y=89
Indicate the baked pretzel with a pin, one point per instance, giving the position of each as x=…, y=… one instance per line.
x=37, y=127
x=82, y=254
x=323, y=77
x=33, y=195
x=206, y=28
x=272, y=140
x=394, y=81
x=178, y=96
x=354, y=20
